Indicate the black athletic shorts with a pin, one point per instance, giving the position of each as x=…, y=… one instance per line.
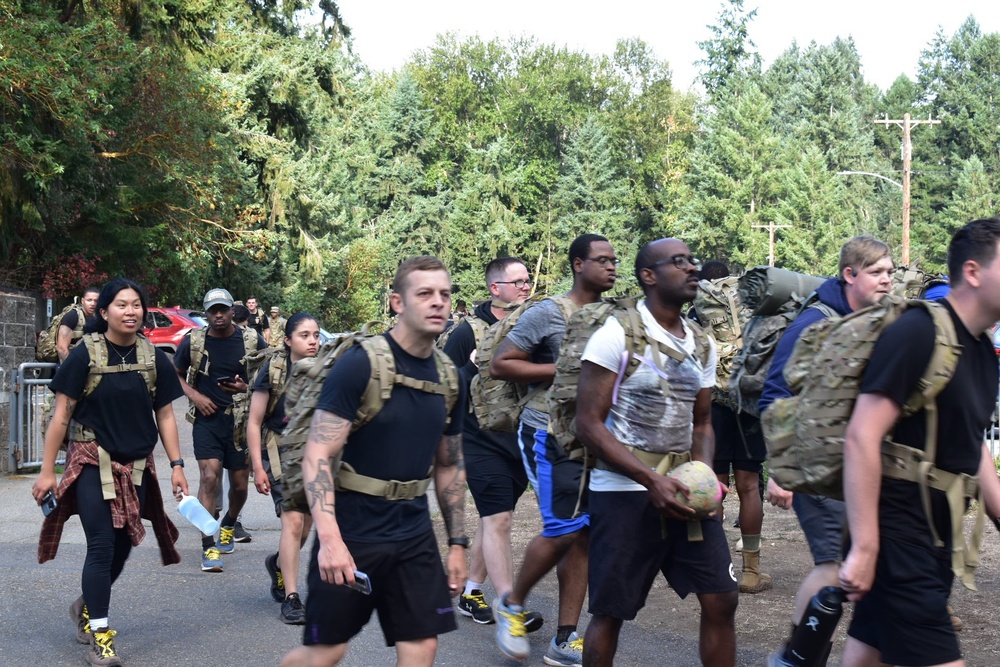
x=277, y=494
x=627, y=549
x=739, y=441
x=409, y=590
x=496, y=482
x=213, y=439
x=905, y=615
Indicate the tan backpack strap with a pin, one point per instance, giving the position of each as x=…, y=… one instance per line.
x=390, y=489
x=380, y=383
x=271, y=440
x=196, y=339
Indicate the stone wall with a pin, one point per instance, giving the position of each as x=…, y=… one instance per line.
x=19, y=316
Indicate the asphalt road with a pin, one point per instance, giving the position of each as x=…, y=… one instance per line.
x=177, y=616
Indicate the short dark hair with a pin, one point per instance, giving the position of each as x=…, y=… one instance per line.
x=713, y=270
x=499, y=266
x=643, y=259
x=91, y=290
x=108, y=294
x=976, y=241
x=292, y=324
x=409, y=265
x=240, y=313
x=580, y=247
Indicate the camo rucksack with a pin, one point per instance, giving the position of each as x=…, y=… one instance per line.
x=478, y=326
x=497, y=403
x=97, y=349
x=722, y=315
x=45, y=346
x=199, y=353
x=305, y=382
x=254, y=362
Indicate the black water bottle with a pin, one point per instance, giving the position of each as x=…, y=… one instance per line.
x=810, y=644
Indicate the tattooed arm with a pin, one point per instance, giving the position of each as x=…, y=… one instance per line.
x=327, y=436
x=449, y=482
x=54, y=436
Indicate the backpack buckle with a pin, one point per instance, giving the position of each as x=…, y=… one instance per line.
x=396, y=490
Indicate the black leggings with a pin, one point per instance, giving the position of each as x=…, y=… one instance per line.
x=107, y=548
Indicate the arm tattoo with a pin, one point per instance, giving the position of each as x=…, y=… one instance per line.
x=320, y=489
x=450, y=484
x=329, y=430
x=70, y=407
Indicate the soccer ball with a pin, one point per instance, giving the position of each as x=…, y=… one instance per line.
x=706, y=494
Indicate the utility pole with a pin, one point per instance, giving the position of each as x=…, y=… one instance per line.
x=771, y=228
x=906, y=124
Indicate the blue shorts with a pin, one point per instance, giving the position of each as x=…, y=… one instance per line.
x=557, y=481
x=823, y=520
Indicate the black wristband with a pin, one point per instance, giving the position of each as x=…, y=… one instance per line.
x=178, y=462
x=459, y=542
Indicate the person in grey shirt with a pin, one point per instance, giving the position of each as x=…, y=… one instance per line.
x=528, y=355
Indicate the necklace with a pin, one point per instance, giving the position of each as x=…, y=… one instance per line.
x=121, y=356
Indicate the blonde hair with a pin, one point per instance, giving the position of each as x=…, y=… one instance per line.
x=861, y=252
x=419, y=263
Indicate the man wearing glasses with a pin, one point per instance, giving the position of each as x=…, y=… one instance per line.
x=493, y=466
x=638, y=527
x=864, y=277
x=528, y=355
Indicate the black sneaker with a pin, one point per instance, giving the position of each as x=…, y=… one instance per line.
x=292, y=610
x=474, y=606
x=533, y=621
x=240, y=534
x=277, y=581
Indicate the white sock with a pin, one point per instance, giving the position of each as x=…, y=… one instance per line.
x=98, y=624
x=472, y=586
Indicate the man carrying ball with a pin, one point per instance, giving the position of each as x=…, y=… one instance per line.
x=663, y=409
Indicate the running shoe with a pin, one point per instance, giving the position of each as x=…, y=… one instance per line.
x=102, y=649
x=277, y=580
x=240, y=533
x=292, y=610
x=211, y=560
x=511, y=635
x=78, y=612
x=567, y=654
x=474, y=605
x=227, y=544
x=533, y=621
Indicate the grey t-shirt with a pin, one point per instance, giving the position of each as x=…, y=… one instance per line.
x=539, y=331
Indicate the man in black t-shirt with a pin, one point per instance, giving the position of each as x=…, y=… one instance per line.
x=391, y=541
x=894, y=571
x=220, y=375
x=492, y=460
x=70, y=325
x=256, y=318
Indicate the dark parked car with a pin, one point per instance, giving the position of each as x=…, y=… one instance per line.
x=165, y=327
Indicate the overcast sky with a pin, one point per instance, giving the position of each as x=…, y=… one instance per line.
x=889, y=36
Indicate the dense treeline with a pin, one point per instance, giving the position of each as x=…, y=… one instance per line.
x=190, y=144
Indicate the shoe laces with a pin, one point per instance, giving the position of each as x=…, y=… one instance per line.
x=477, y=600
x=104, y=642
x=226, y=534
x=212, y=554
x=281, y=579
x=575, y=645
x=515, y=621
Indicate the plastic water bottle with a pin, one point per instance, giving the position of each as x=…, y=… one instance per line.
x=195, y=512
x=810, y=643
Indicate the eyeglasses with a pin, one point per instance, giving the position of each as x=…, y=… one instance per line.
x=519, y=284
x=680, y=261
x=603, y=261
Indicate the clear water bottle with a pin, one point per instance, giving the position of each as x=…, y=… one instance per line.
x=810, y=643
x=195, y=512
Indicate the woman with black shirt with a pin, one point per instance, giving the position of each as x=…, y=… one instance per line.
x=266, y=422
x=113, y=396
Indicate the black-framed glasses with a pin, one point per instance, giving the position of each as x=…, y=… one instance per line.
x=519, y=284
x=603, y=260
x=680, y=261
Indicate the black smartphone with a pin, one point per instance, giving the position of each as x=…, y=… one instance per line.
x=226, y=380
x=362, y=583
x=49, y=503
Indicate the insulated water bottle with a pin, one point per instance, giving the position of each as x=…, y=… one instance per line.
x=810, y=643
x=195, y=512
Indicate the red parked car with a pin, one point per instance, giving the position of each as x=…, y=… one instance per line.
x=165, y=327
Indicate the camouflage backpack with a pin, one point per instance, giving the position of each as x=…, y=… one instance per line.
x=723, y=315
x=195, y=371
x=478, y=326
x=497, y=403
x=45, y=347
x=254, y=362
x=100, y=366
x=305, y=382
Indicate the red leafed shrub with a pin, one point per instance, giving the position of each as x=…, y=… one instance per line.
x=72, y=275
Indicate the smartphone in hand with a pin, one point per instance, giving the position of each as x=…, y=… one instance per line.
x=49, y=503
x=362, y=583
x=226, y=380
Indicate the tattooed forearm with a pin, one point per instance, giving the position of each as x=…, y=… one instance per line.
x=449, y=480
x=68, y=414
x=320, y=489
x=329, y=431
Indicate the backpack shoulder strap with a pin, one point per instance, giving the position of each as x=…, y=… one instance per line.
x=197, y=353
x=145, y=355
x=383, y=373
x=249, y=341
x=566, y=306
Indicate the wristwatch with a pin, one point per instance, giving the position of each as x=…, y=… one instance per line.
x=178, y=462
x=459, y=542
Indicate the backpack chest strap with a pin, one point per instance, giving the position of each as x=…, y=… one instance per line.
x=390, y=489
x=107, y=475
x=420, y=385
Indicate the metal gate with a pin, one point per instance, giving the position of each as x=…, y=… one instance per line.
x=27, y=437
